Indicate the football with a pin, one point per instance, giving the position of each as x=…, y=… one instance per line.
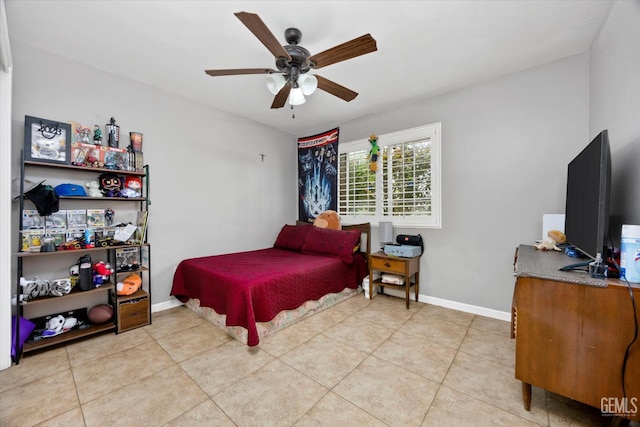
x=100, y=313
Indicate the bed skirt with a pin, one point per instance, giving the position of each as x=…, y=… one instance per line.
x=282, y=320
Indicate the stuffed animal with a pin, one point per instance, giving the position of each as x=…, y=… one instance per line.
x=101, y=272
x=129, y=285
x=93, y=189
x=132, y=187
x=328, y=219
x=373, y=153
x=555, y=237
x=110, y=184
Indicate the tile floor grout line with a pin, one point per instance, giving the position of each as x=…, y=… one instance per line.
x=444, y=377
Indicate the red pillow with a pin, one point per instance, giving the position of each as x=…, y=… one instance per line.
x=292, y=237
x=336, y=243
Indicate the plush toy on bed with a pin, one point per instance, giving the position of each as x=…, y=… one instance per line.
x=328, y=219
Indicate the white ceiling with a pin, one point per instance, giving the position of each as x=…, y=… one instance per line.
x=425, y=48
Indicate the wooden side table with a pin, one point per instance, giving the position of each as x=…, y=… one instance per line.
x=406, y=267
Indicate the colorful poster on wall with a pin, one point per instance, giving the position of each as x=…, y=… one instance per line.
x=317, y=174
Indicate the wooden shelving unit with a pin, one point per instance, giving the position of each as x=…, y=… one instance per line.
x=134, y=318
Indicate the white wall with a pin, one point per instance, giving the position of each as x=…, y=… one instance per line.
x=210, y=191
x=6, y=77
x=615, y=105
x=505, y=148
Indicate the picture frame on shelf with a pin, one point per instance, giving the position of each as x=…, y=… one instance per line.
x=47, y=141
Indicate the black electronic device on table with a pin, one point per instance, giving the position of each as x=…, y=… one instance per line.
x=588, y=199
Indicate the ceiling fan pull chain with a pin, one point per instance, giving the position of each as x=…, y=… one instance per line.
x=293, y=115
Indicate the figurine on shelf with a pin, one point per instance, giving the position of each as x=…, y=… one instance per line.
x=108, y=216
x=97, y=135
x=113, y=133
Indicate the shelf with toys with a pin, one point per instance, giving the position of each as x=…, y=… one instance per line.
x=61, y=293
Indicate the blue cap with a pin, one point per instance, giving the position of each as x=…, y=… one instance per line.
x=71, y=190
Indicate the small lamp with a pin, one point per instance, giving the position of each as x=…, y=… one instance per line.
x=386, y=232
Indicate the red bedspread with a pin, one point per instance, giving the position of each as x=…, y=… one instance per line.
x=254, y=286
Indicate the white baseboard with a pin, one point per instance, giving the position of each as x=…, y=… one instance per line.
x=454, y=305
x=165, y=305
x=467, y=308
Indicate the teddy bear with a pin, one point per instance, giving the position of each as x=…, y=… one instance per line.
x=93, y=189
x=555, y=237
x=328, y=219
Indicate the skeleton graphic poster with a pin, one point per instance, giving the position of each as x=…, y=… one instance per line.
x=317, y=174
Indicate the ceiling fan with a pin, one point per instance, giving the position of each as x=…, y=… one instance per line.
x=293, y=62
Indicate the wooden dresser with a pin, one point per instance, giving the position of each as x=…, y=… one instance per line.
x=572, y=332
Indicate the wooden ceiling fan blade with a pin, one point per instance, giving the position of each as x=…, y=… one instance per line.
x=260, y=30
x=335, y=89
x=281, y=97
x=351, y=49
x=237, y=71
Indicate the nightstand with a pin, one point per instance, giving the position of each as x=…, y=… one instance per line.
x=406, y=267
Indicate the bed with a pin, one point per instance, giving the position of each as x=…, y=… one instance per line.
x=255, y=293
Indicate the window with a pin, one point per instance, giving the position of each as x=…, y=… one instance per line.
x=406, y=187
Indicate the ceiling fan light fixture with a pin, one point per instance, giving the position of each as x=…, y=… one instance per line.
x=275, y=82
x=296, y=97
x=308, y=83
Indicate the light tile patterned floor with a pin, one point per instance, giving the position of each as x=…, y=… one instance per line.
x=364, y=363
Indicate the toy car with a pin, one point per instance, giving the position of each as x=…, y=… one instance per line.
x=71, y=245
x=105, y=241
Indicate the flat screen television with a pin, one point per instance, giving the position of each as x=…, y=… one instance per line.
x=588, y=197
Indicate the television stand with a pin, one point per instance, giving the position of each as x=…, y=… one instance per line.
x=571, y=333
